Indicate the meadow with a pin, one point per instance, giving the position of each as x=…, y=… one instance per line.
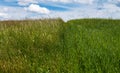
x=55, y=46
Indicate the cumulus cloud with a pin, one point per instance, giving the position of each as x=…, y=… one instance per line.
x=36, y=8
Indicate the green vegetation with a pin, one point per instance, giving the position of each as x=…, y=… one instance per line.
x=53, y=46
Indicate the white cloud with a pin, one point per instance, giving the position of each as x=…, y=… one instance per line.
x=3, y=9
x=3, y=15
x=9, y=13
x=108, y=10
x=71, y=1
x=36, y=8
x=114, y=1
x=84, y=1
x=26, y=2
x=66, y=1
x=111, y=8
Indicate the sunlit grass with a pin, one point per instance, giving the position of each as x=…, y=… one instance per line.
x=53, y=46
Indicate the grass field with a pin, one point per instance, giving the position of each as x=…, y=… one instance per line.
x=53, y=46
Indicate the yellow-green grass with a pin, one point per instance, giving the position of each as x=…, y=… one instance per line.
x=53, y=46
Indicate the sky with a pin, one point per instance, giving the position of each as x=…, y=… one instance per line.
x=65, y=9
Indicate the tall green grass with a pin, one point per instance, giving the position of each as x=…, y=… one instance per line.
x=53, y=46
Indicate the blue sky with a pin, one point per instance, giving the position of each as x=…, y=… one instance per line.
x=65, y=9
